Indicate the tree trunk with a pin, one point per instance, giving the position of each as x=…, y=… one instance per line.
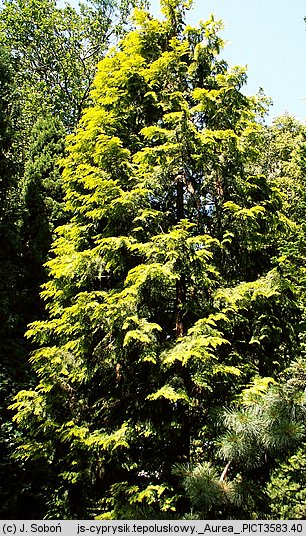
x=181, y=283
x=180, y=329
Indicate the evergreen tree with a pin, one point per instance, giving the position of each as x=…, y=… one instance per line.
x=43, y=205
x=9, y=195
x=286, y=488
x=12, y=348
x=50, y=60
x=164, y=291
x=263, y=445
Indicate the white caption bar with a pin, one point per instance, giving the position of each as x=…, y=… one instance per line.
x=180, y=528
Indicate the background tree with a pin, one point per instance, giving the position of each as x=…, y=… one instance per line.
x=12, y=348
x=282, y=162
x=58, y=49
x=286, y=488
x=42, y=193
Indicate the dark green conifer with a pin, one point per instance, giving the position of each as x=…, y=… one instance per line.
x=43, y=205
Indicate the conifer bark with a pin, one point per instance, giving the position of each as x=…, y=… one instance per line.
x=181, y=283
x=180, y=328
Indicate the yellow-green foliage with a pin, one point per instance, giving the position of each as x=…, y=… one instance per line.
x=163, y=294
